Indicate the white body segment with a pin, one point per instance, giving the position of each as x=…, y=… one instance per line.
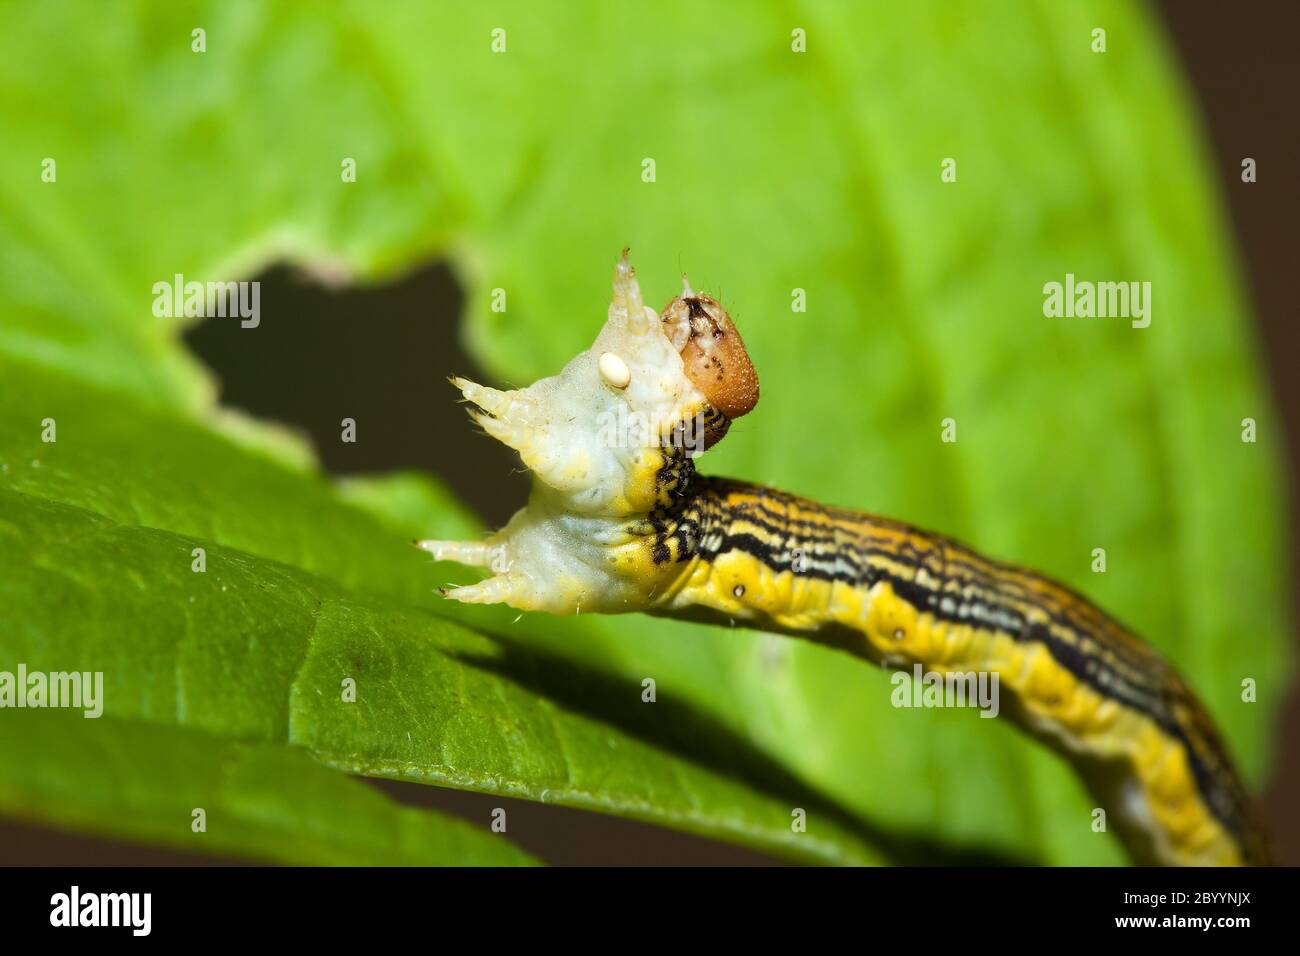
x=590, y=435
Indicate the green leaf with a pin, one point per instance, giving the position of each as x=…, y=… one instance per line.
x=775, y=171
x=258, y=801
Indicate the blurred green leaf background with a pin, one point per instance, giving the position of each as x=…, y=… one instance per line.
x=774, y=171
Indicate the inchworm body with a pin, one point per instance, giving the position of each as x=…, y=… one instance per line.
x=618, y=520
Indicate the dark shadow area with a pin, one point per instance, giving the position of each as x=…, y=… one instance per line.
x=563, y=836
x=379, y=355
x=1242, y=64
x=31, y=844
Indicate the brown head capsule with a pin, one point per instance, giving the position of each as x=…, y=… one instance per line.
x=712, y=351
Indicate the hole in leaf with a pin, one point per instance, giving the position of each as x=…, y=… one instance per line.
x=379, y=355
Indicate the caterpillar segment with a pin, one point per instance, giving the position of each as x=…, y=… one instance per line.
x=618, y=520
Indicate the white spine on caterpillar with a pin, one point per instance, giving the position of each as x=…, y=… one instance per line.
x=590, y=435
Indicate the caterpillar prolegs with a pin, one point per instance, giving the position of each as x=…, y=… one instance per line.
x=618, y=520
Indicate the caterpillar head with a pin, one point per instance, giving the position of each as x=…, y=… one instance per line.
x=712, y=351
x=651, y=387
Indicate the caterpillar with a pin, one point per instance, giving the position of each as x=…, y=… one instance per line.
x=618, y=520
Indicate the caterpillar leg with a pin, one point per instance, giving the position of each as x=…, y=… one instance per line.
x=476, y=554
x=529, y=572
x=512, y=418
x=511, y=588
x=492, y=406
x=508, y=585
